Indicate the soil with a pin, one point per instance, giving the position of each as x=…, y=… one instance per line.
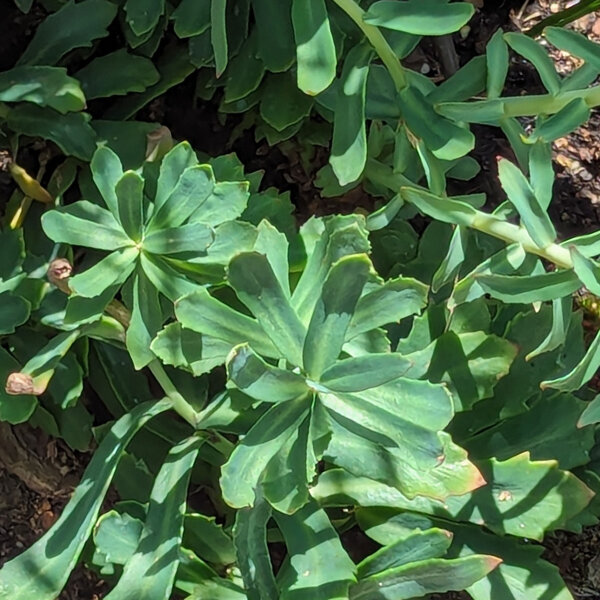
x=37, y=474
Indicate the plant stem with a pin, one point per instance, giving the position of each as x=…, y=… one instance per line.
x=377, y=40
x=482, y=111
x=486, y=223
x=180, y=404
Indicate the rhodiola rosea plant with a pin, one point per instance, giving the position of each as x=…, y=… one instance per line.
x=332, y=418
x=354, y=380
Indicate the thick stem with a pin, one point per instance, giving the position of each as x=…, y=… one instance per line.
x=554, y=253
x=179, y=403
x=377, y=40
x=481, y=111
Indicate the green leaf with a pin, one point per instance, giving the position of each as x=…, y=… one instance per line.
x=146, y=320
x=74, y=25
x=44, y=86
x=574, y=43
x=165, y=278
x=173, y=66
x=420, y=17
x=15, y=311
x=349, y=145
x=143, y=15
x=130, y=198
x=587, y=269
x=193, y=237
x=128, y=139
x=181, y=347
x=587, y=245
x=113, y=269
x=510, y=503
x=547, y=429
x=13, y=409
x=333, y=312
x=282, y=103
x=326, y=241
x=521, y=195
x=172, y=167
x=191, y=18
x=445, y=139
x=591, y=414
x=424, y=577
x=275, y=33
x=420, y=545
x=193, y=188
x=581, y=373
x=317, y=567
x=150, y=572
x=208, y=539
x=365, y=454
x=202, y=313
x=566, y=120
x=251, y=276
x=250, y=539
x=364, y=372
x=468, y=81
x=71, y=132
x=116, y=536
x=389, y=303
x=541, y=172
x=453, y=261
x=496, y=53
x=117, y=74
x=522, y=575
x=290, y=471
x=218, y=34
x=524, y=289
x=71, y=225
x=227, y=202
x=274, y=245
x=392, y=413
x=561, y=318
x=245, y=71
x=315, y=48
x=259, y=380
x=43, y=569
x=538, y=57
x=106, y=172
x=241, y=474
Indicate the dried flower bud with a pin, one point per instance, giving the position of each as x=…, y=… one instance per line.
x=20, y=383
x=59, y=272
x=158, y=143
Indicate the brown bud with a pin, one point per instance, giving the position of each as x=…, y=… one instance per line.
x=59, y=272
x=21, y=383
x=158, y=143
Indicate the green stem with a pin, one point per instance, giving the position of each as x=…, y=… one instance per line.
x=483, y=222
x=378, y=41
x=179, y=403
x=481, y=111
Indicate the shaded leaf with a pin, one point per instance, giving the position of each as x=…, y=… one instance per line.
x=74, y=25
x=55, y=554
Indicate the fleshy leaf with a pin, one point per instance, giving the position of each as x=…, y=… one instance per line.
x=150, y=572
x=250, y=538
x=317, y=567
x=315, y=48
x=259, y=380
x=43, y=569
x=242, y=472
